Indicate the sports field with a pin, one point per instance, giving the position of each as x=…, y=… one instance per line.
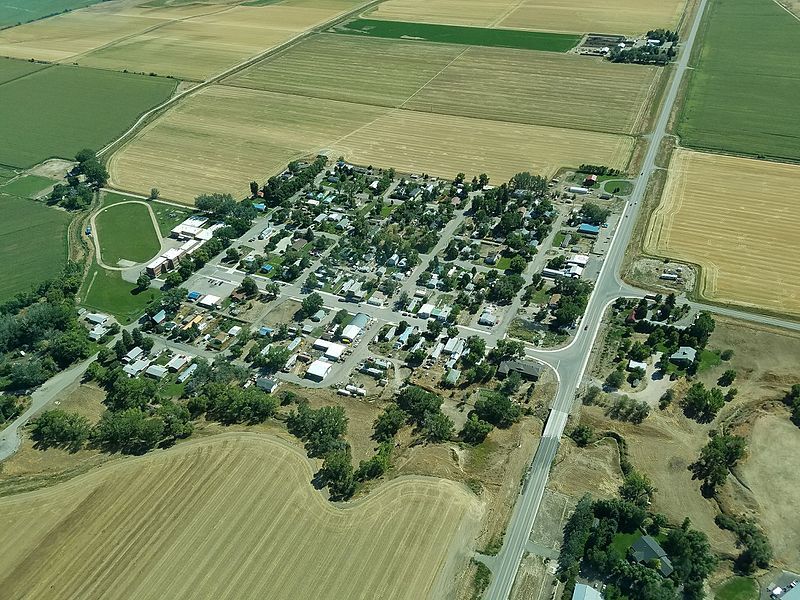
x=22, y=11
x=181, y=39
x=33, y=243
x=578, y=16
x=232, y=516
x=57, y=111
x=106, y=291
x=738, y=219
x=561, y=90
x=743, y=93
x=126, y=233
x=458, y=34
x=235, y=135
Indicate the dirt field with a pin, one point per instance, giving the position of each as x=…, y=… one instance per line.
x=224, y=517
x=187, y=41
x=580, y=16
x=591, y=470
x=736, y=219
x=516, y=85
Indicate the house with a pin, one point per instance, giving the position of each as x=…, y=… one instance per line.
x=97, y=318
x=585, y=592
x=156, y=371
x=193, y=296
x=554, y=300
x=318, y=316
x=452, y=376
x=187, y=373
x=318, y=370
x=268, y=385
x=133, y=354
x=589, y=230
x=487, y=319
x=647, y=549
x=635, y=364
x=265, y=331
x=685, y=355
x=177, y=362
x=578, y=259
x=450, y=346
x=235, y=330
x=133, y=369
x=292, y=346
x=527, y=369
x=159, y=317
x=209, y=301
x=590, y=180
x=425, y=311
x=492, y=259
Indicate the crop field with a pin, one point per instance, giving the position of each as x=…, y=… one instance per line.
x=229, y=517
x=126, y=232
x=580, y=16
x=33, y=243
x=458, y=34
x=706, y=216
x=748, y=75
x=185, y=40
x=29, y=186
x=13, y=12
x=92, y=107
x=234, y=135
x=11, y=69
x=515, y=85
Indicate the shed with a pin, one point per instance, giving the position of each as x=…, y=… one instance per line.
x=318, y=370
x=318, y=316
x=452, y=376
x=635, y=364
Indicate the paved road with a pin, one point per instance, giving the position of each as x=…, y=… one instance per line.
x=570, y=362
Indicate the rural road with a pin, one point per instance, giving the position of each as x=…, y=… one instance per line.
x=570, y=362
x=96, y=237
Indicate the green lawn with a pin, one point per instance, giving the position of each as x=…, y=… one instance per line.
x=737, y=588
x=503, y=263
x=62, y=109
x=106, y=291
x=743, y=93
x=33, y=243
x=27, y=187
x=625, y=187
x=455, y=34
x=708, y=359
x=558, y=238
x=126, y=232
x=167, y=215
x=11, y=69
x=623, y=541
x=23, y=11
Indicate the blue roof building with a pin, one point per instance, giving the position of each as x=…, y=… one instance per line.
x=193, y=295
x=159, y=317
x=259, y=206
x=587, y=229
x=265, y=331
x=266, y=268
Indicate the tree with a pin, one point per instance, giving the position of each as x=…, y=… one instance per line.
x=506, y=350
x=417, y=402
x=129, y=431
x=173, y=279
x=274, y=359
x=498, y=409
x=576, y=534
x=60, y=429
x=582, y=435
x=727, y=378
x=311, y=304
x=594, y=214
x=321, y=429
x=311, y=282
x=389, y=422
x=511, y=384
x=615, y=379
x=702, y=404
x=377, y=465
x=95, y=172
x=154, y=193
x=142, y=282
x=249, y=287
x=437, y=426
x=691, y=556
x=475, y=430
x=518, y=265
x=232, y=255
x=176, y=420
x=337, y=474
x=637, y=489
x=69, y=347
x=716, y=459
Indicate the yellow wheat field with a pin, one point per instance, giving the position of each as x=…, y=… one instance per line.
x=629, y=17
x=234, y=516
x=563, y=90
x=224, y=137
x=738, y=219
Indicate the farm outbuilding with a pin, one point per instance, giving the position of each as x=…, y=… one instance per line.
x=318, y=370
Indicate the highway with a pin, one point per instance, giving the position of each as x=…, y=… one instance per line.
x=570, y=362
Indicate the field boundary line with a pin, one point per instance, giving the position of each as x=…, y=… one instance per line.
x=791, y=14
x=505, y=14
x=442, y=70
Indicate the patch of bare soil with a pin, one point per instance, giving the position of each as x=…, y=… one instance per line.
x=591, y=470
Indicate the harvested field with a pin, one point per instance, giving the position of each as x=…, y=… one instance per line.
x=142, y=528
x=93, y=108
x=769, y=471
x=441, y=145
x=516, y=85
x=580, y=16
x=230, y=136
x=706, y=217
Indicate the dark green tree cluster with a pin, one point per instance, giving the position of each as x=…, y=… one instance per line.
x=716, y=460
x=594, y=214
x=701, y=403
x=498, y=409
x=572, y=304
x=322, y=429
x=576, y=534
x=792, y=399
x=756, y=549
x=645, y=55
x=10, y=408
x=599, y=170
x=277, y=190
x=625, y=408
x=230, y=404
x=60, y=429
x=425, y=412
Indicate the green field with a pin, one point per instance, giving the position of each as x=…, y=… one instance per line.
x=13, y=12
x=167, y=215
x=27, y=186
x=60, y=110
x=33, y=243
x=737, y=588
x=625, y=187
x=11, y=69
x=126, y=232
x=106, y=291
x=743, y=92
x=455, y=34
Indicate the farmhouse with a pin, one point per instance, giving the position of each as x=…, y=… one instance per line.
x=647, y=549
x=685, y=355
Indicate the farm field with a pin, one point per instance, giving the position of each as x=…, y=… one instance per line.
x=33, y=243
x=272, y=129
x=185, y=40
x=27, y=187
x=706, y=217
x=458, y=34
x=23, y=11
x=126, y=233
x=747, y=73
x=11, y=69
x=157, y=512
x=516, y=85
x=93, y=107
x=578, y=16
